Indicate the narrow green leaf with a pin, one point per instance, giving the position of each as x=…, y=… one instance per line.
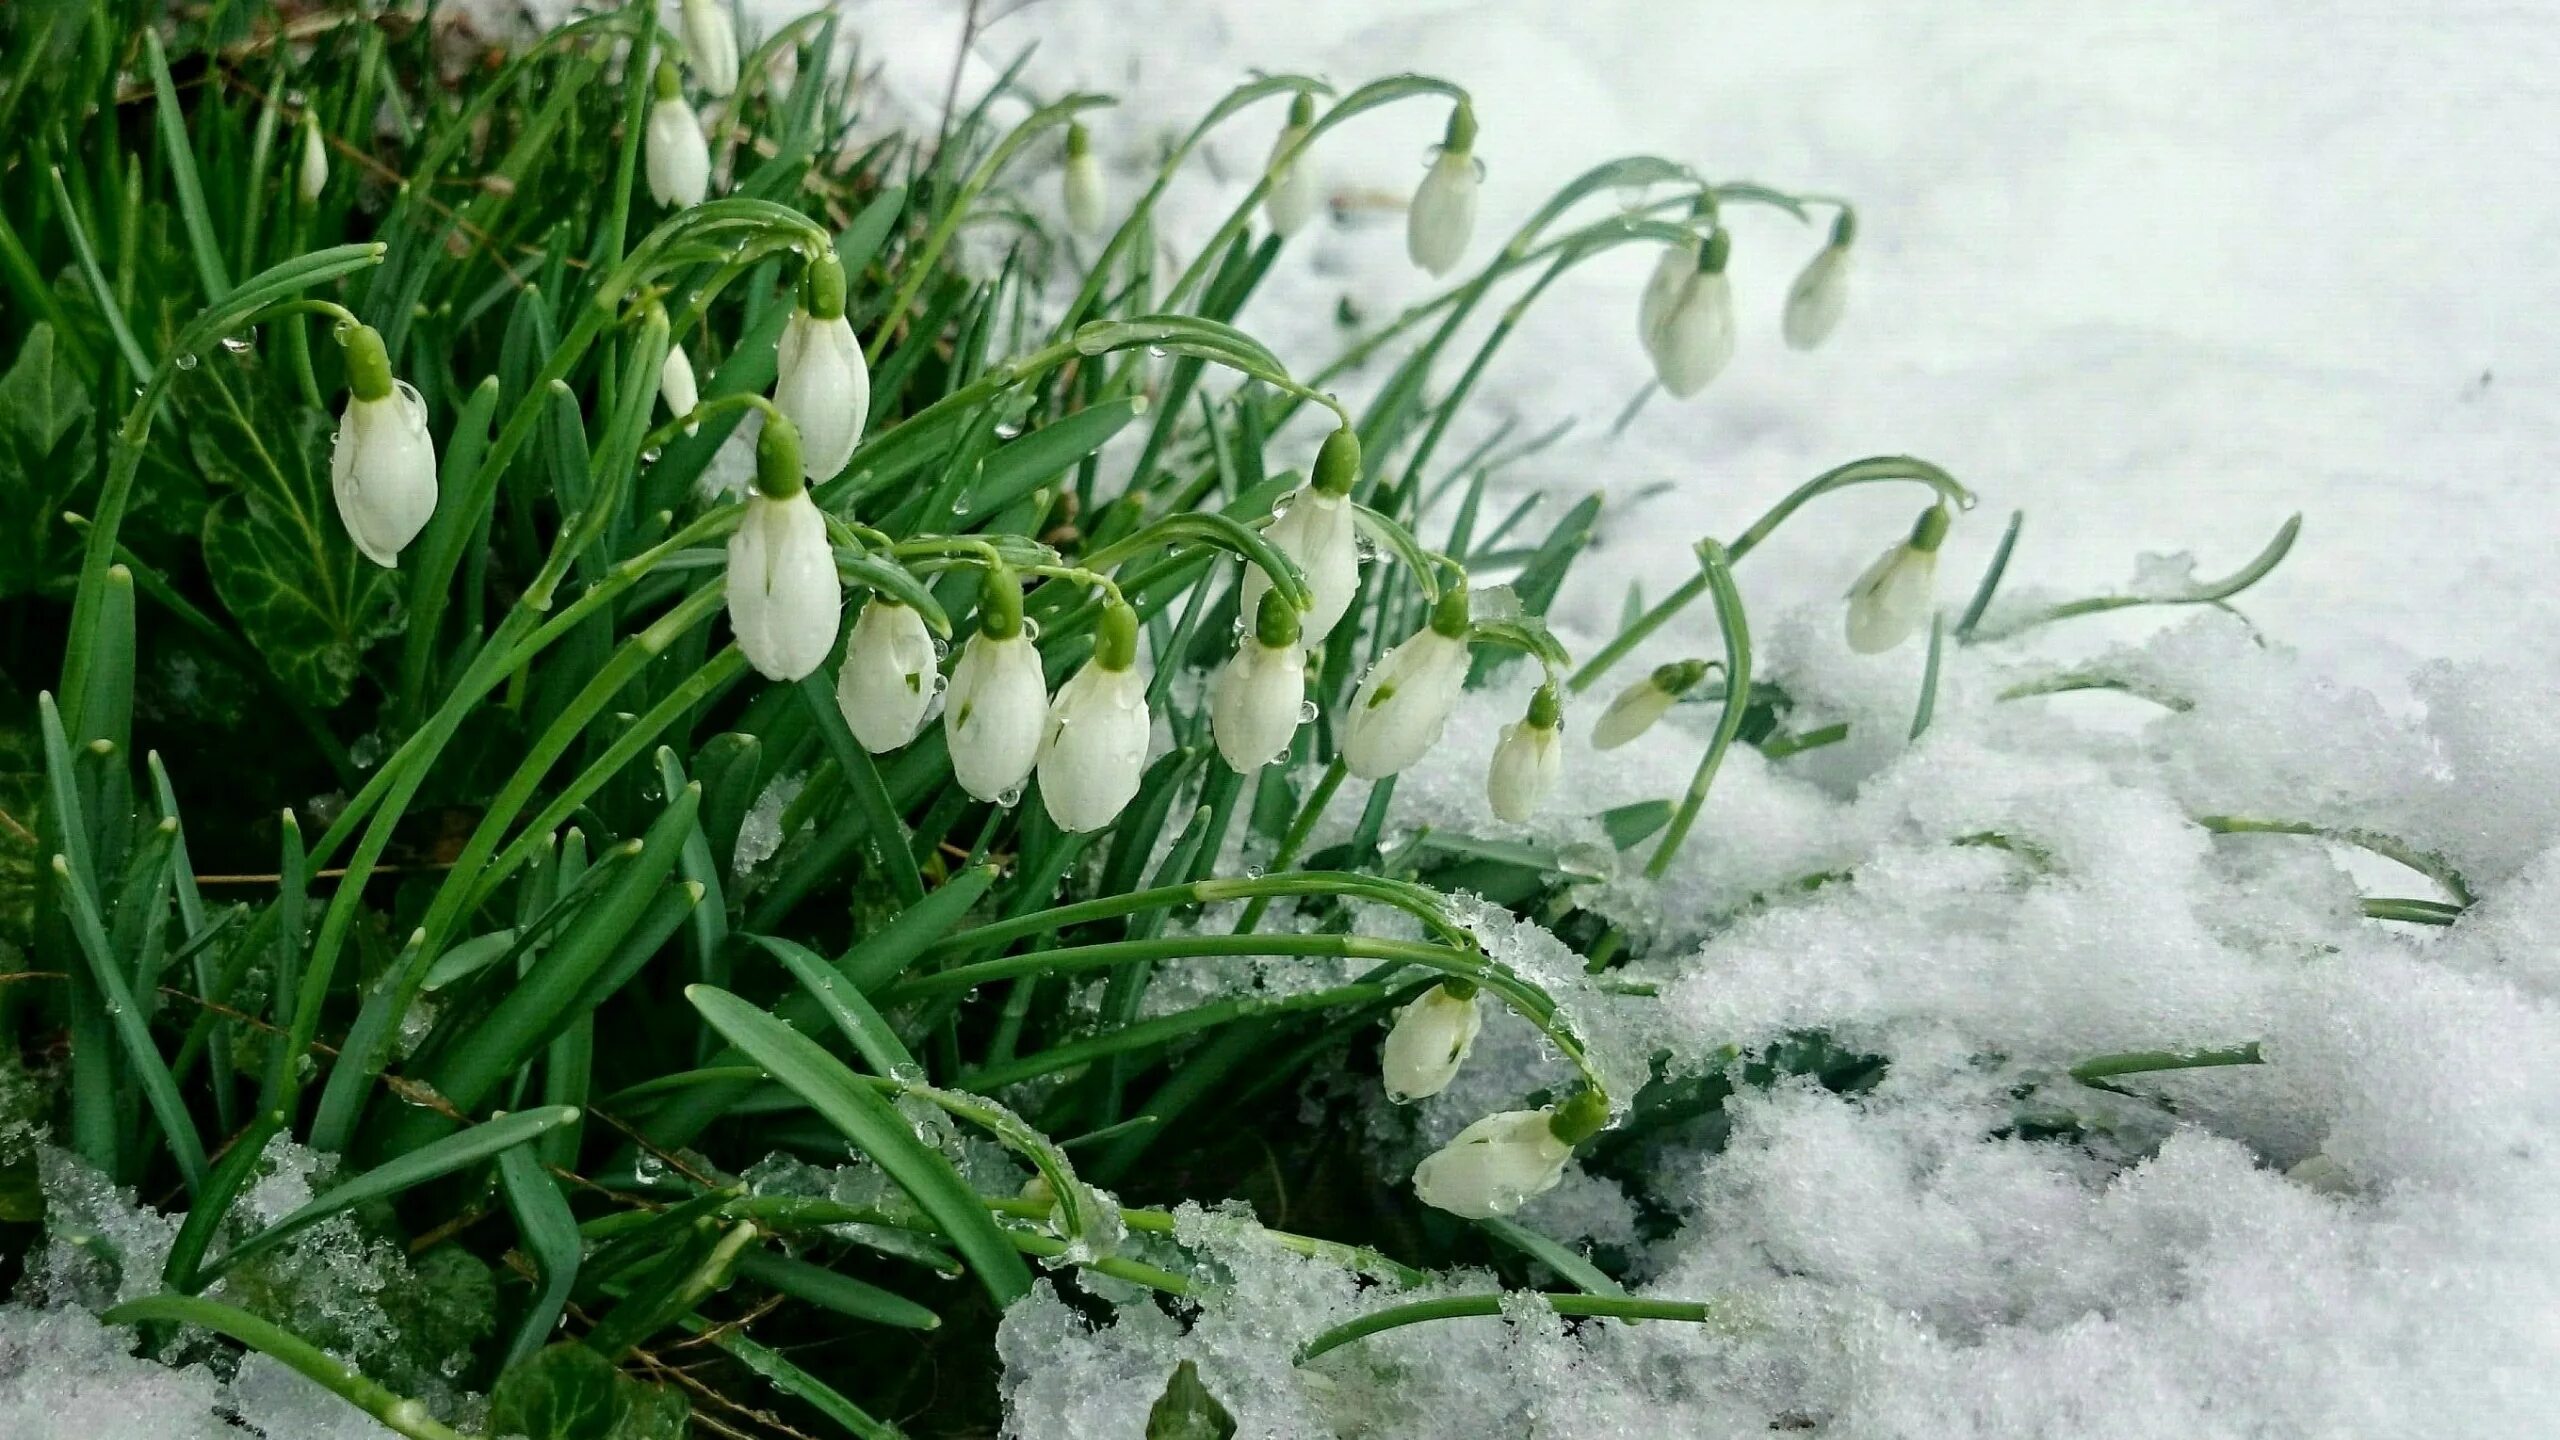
x=841, y=1293
x=549, y=1234
x=405, y=1416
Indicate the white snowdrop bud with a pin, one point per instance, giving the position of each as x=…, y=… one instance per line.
x=1320, y=531
x=1082, y=183
x=996, y=708
x=383, y=465
x=1404, y=703
x=677, y=157
x=820, y=379
x=314, y=176
x=1297, y=186
x=1255, y=702
x=784, y=597
x=1693, y=338
x=1821, y=293
x=1644, y=702
x=1096, y=748
x=1891, y=600
x=1670, y=276
x=1504, y=1160
x=1444, y=208
x=711, y=45
x=1528, y=760
x=1430, y=1040
x=676, y=386
x=887, y=681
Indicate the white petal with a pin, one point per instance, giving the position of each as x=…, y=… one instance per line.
x=315, y=164
x=995, y=712
x=1255, y=702
x=1431, y=1038
x=1631, y=714
x=784, y=598
x=1696, y=338
x=711, y=44
x=1670, y=275
x=1296, y=189
x=678, y=158
x=1526, y=765
x=1321, y=533
x=676, y=384
x=887, y=683
x=382, y=471
x=1444, y=213
x=1818, y=298
x=1096, y=749
x=1403, y=705
x=822, y=384
x=1494, y=1166
x=1891, y=600
x=1084, y=193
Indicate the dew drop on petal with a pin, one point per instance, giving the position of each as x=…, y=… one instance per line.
x=1010, y=798
x=1030, y=628
x=1306, y=712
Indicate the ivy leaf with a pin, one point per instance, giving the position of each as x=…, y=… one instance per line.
x=1187, y=1411
x=46, y=451
x=21, y=783
x=273, y=544
x=560, y=1392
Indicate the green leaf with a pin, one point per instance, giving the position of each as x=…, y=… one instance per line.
x=277, y=553
x=563, y=1392
x=1187, y=1411
x=45, y=452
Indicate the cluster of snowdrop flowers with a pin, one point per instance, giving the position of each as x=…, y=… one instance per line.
x=1685, y=319
x=383, y=467
x=1502, y=1161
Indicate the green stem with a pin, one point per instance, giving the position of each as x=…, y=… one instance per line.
x=2143, y=1062
x=1717, y=573
x=1616, y=1307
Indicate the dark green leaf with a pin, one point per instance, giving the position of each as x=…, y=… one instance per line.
x=1187, y=1411
x=564, y=1392
x=45, y=452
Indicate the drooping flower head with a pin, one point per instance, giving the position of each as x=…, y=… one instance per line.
x=1256, y=701
x=1082, y=182
x=1320, y=532
x=889, y=677
x=1404, y=703
x=820, y=378
x=1821, y=293
x=313, y=176
x=785, y=599
x=1429, y=1041
x=675, y=154
x=1095, y=751
x=1529, y=758
x=1692, y=339
x=1890, y=602
x=1297, y=186
x=711, y=45
x=1443, y=216
x=1504, y=1160
x=383, y=466
x=1645, y=701
x=995, y=710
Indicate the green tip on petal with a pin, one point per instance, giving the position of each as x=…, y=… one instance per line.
x=1338, y=463
x=1580, y=1118
x=1276, y=622
x=1930, y=529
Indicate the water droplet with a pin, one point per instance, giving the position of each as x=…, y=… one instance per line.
x=1156, y=351
x=1010, y=798
x=341, y=330
x=1007, y=429
x=1306, y=712
x=187, y=362
x=1253, y=872
x=649, y=456
x=239, y=344
x=1030, y=628
x=960, y=503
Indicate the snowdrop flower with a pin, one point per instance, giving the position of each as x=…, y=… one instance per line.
x=1256, y=703
x=1431, y=1038
x=1297, y=187
x=1404, y=703
x=711, y=45
x=679, y=159
x=383, y=466
x=1892, y=599
x=676, y=386
x=1096, y=748
x=1504, y=1160
x=1082, y=183
x=997, y=705
x=784, y=597
x=889, y=676
x=1529, y=759
x=1644, y=702
x=1320, y=531
x=1670, y=276
x=1692, y=338
x=1444, y=209
x=820, y=379
x=1815, y=301
x=314, y=176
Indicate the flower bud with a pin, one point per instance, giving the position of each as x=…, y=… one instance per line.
x=1430, y=1041
x=1644, y=702
x=1082, y=183
x=784, y=597
x=1891, y=600
x=314, y=176
x=1494, y=1166
x=995, y=711
x=1404, y=702
x=1444, y=208
x=677, y=388
x=1297, y=187
x=1320, y=531
x=820, y=379
x=1096, y=748
x=711, y=45
x=1693, y=337
x=1670, y=277
x=382, y=467
x=1528, y=760
x=1821, y=293
x=886, y=684
x=1256, y=701
x=678, y=158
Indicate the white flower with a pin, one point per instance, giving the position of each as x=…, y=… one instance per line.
x=1644, y=702
x=1816, y=300
x=314, y=176
x=676, y=386
x=1494, y=1166
x=994, y=712
x=1404, y=703
x=383, y=466
x=1443, y=214
x=1430, y=1041
x=1256, y=701
x=784, y=598
x=1891, y=600
x=1320, y=531
x=1096, y=748
x=1297, y=187
x=679, y=159
x=820, y=379
x=1692, y=339
x=711, y=45
x=889, y=675
x=1528, y=760
x=1082, y=183
x=1670, y=275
